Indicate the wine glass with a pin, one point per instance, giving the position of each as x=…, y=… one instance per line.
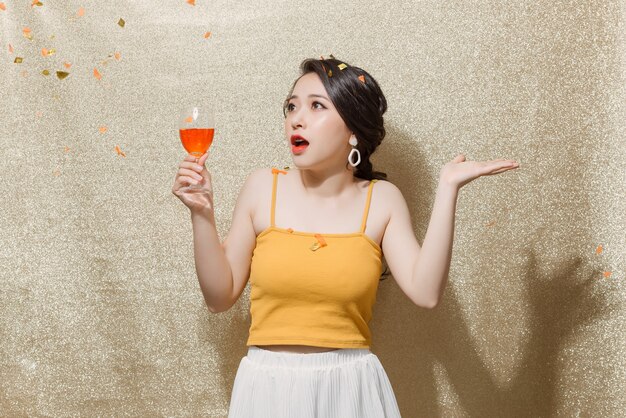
x=196, y=128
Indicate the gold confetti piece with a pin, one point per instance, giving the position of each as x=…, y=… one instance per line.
x=97, y=74
x=18, y=60
x=330, y=72
x=362, y=78
x=189, y=119
x=599, y=249
x=192, y=2
x=331, y=55
x=102, y=129
x=2, y=6
x=121, y=22
x=45, y=72
x=62, y=74
x=119, y=151
x=81, y=12
x=342, y=66
x=51, y=36
x=206, y=35
x=67, y=65
x=118, y=56
x=607, y=273
x=36, y=3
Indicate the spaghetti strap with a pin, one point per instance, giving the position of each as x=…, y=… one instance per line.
x=367, y=204
x=275, y=172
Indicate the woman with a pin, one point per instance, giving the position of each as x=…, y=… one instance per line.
x=313, y=272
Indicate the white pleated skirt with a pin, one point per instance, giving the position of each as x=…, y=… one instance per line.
x=343, y=383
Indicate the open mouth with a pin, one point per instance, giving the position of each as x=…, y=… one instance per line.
x=298, y=145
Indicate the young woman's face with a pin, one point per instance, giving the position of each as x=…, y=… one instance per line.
x=311, y=114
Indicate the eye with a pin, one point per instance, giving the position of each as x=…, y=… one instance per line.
x=289, y=108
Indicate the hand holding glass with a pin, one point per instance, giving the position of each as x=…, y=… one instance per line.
x=196, y=128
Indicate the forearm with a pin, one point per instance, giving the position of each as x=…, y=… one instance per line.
x=212, y=266
x=430, y=273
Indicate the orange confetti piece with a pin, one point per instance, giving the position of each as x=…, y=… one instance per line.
x=2, y=6
x=321, y=240
x=189, y=119
x=102, y=129
x=67, y=65
x=599, y=249
x=81, y=12
x=362, y=78
x=44, y=52
x=607, y=273
x=36, y=3
x=192, y=2
x=118, y=56
x=206, y=35
x=66, y=149
x=119, y=151
x=275, y=170
x=10, y=49
x=97, y=74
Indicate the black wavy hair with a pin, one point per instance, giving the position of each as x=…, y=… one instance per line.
x=361, y=105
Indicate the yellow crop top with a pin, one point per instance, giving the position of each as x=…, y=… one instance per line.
x=313, y=289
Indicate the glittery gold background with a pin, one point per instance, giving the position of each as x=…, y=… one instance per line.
x=100, y=309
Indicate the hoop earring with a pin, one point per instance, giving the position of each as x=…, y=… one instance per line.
x=353, y=142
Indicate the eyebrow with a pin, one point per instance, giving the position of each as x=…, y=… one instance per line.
x=293, y=96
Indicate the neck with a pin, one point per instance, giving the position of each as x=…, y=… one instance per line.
x=328, y=184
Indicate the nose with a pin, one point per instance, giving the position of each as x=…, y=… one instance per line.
x=296, y=118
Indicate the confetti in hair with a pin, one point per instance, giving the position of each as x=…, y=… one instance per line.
x=362, y=78
x=342, y=66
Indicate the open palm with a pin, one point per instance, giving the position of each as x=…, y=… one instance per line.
x=459, y=172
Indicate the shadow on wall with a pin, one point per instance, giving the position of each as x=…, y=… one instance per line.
x=560, y=302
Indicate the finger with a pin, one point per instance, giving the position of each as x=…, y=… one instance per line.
x=190, y=173
x=500, y=170
x=188, y=180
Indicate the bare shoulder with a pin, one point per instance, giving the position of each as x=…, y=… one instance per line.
x=388, y=195
x=256, y=186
